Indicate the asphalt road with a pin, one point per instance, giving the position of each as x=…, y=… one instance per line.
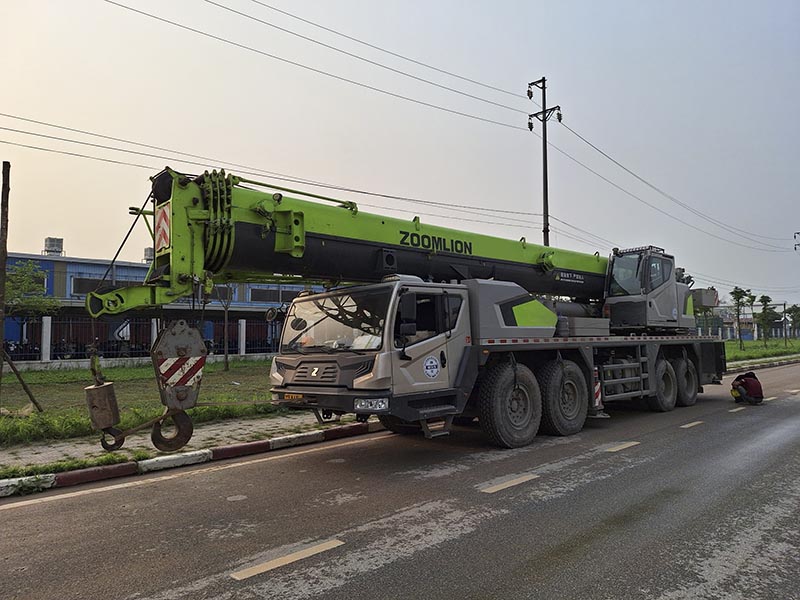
x=637, y=506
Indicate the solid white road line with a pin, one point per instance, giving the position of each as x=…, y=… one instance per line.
x=692, y=424
x=507, y=484
x=737, y=409
x=178, y=475
x=622, y=446
x=285, y=560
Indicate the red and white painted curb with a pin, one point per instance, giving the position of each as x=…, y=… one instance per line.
x=38, y=483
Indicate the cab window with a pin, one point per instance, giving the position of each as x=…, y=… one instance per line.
x=436, y=313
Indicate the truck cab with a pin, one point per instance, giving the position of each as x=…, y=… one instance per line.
x=645, y=294
x=397, y=347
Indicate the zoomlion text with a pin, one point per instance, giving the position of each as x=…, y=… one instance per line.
x=435, y=242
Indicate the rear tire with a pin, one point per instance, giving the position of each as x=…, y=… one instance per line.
x=565, y=397
x=686, y=377
x=510, y=415
x=666, y=388
x=398, y=425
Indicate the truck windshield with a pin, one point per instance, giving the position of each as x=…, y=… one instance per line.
x=625, y=279
x=348, y=321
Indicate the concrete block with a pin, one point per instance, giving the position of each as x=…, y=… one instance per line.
x=34, y=483
x=175, y=460
x=297, y=439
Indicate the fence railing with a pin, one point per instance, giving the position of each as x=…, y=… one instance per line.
x=55, y=338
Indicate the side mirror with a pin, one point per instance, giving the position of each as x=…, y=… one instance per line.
x=408, y=309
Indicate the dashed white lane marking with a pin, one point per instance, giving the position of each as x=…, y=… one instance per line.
x=137, y=483
x=793, y=391
x=737, y=409
x=507, y=484
x=285, y=560
x=622, y=446
x=692, y=424
x=770, y=399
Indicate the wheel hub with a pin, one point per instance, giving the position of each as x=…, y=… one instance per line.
x=518, y=407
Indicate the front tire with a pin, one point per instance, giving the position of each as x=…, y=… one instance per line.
x=565, y=397
x=666, y=388
x=510, y=405
x=686, y=377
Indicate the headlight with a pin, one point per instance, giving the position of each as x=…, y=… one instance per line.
x=372, y=404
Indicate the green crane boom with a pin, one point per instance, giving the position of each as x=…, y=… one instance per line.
x=216, y=229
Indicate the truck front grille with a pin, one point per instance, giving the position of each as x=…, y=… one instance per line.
x=316, y=374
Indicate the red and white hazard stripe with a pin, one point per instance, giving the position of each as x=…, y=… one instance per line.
x=162, y=226
x=598, y=401
x=181, y=371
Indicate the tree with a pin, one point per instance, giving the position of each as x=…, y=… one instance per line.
x=751, y=302
x=26, y=293
x=740, y=297
x=793, y=312
x=767, y=317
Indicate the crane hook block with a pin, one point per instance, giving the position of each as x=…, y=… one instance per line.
x=181, y=436
x=179, y=356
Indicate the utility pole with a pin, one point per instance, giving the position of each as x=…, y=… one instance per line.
x=4, y=254
x=543, y=115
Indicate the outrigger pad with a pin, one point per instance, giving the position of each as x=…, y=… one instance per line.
x=179, y=356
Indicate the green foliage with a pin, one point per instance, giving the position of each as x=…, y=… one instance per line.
x=755, y=350
x=242, y=392
x=74, y=422
x=25, y=291
x=740, y=298
x=70, y=464
x=793, y=312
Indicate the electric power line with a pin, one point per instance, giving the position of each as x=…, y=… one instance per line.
x=449, y=217
x=364, y=59
x=389, y=52
x=670, y=197
x=430, y=105
x=313, y=69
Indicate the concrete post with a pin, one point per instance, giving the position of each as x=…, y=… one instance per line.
x=47, y=332
x=242, y=336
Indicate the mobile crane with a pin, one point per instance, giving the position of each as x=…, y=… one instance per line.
x=435, y=325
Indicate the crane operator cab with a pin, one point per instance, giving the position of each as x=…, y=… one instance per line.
x=646, y=292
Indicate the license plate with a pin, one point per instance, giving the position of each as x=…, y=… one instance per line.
x=293, y=396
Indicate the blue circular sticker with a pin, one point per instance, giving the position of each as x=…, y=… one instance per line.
x=431, y=367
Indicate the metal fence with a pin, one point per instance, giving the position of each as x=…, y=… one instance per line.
x=65, y=338
x=121, y=338
x=23, y=338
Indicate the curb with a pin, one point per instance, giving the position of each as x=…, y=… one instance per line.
x=38, y=483
x=769, y=365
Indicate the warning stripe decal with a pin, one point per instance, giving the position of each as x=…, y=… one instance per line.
x=181, y=371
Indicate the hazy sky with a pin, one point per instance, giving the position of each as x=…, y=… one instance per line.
x=700, y=98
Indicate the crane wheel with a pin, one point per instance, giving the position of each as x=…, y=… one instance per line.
x=113, y=444
x=666, y=388
x=565, y=397
x=182, y=435
x=686, y=377
x=510, y=405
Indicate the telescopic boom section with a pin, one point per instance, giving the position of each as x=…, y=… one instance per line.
x=216, y=229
